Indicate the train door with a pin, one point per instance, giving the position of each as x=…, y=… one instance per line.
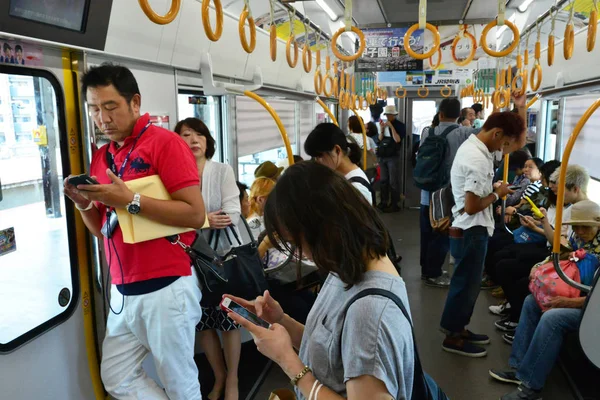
x=44, y=339
x=419, y=113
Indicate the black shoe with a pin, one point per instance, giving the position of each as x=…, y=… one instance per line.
x=464, y=348
x=523, y=393
x=509, y=338
x=506, y=325
x=475, y=338
x=505, y=376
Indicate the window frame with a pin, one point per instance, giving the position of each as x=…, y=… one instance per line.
x=69, y=210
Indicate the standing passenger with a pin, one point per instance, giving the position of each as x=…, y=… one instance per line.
x=471, y=178
x=357, y=350
x=434, y=245
x=153, y=284
x=328, y=144
x=479, y=115
x=221, y=198
x=391, y=135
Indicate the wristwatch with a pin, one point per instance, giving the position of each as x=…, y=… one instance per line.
x=134, y=207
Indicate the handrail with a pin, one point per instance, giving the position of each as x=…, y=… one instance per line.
x=327, y=110
x=561, y=197
x=505, y=179
x=364, y=136
x=282, y=131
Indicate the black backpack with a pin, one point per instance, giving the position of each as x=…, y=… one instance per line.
x=431, y=172
x=424, y=387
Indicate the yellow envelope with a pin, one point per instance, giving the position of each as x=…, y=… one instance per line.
x=137, y=228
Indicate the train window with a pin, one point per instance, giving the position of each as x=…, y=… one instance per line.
x=423, y=112
x=551, y=125
x=258, y=138
x=208, y=110
x=37, y=276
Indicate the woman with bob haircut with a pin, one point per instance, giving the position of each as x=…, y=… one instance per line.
x=364, y=351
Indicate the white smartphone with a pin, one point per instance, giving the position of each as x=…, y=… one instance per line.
x=229, y=305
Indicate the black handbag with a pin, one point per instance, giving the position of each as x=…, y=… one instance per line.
x=239, y=272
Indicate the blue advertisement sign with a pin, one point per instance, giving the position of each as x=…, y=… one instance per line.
x=384, y=50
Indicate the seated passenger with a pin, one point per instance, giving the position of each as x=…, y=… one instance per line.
x=531, y=171
x=517, y=160
x=268, y=170
x=512, y=265
x=220, y=194
x=539, y=336
x=365, y=351
x=328, y=145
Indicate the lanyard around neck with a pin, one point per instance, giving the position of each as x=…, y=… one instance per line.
x=111, y=160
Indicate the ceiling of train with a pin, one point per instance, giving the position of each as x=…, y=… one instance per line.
x=441, y=12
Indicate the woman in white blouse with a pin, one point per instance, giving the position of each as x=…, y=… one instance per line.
x=221, y=198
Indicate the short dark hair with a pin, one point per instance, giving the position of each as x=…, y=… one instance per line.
x=109, y=74
x=372, y=130
x=315, y=205
x=464, y=112
x=325, y=137
x=18, y=48
x=477, y=107
x=6, y=47
x=243, y=189
x=354, y=124
x=548, y=169
x=202, y=129
x=517, y=159
x=538, y=162
x=297, y=159
x=512, y=124
x=450, y=107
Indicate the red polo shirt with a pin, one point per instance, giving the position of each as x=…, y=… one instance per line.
x=157, y=152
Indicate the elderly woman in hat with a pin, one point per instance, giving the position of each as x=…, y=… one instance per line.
x=539, y=335
x=268, y=170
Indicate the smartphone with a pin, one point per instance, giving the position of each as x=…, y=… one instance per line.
x=229, y=305
x=520, y=215
x=514, y=187
x=82, y=179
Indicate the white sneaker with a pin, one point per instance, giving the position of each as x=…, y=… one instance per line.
x=501, y=309
x=452, y=260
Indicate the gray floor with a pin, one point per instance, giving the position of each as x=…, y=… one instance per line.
x=460, y=377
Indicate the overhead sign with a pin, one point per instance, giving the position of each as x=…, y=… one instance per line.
x=384, y=50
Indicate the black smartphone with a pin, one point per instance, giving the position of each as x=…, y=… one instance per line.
x=82, y=179
x=514, y=187
x=229, y=305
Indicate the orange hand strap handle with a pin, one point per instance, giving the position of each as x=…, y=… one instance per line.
x=292, y=62
x=273, y=34
x=504, y=53
x=246, y=16
x=403, y=95
x=592, y=28
x=161, y=19
x=210, y=34
x=327, y=79
x=446, y=91
x=569, y=41
x=361, y=48
x=434, y=48
x=423, y=92
x=306, y=53
x=535, y=79
x=465, y=34
x=318, y=82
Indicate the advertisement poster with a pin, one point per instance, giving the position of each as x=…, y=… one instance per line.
x=281, y=19
x=18, y=53
x=384, y=50
x=160, y=119
x=7, y=241
x=429, y=78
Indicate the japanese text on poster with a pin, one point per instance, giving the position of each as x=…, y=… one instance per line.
x=384, y=51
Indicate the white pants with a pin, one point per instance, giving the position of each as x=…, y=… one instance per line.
x=161, y=324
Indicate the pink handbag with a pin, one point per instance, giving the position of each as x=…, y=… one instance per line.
x=546, y=283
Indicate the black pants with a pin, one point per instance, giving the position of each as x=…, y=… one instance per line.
x=434, y=247
x=391, y=179
x=499, y=242
x=512, y=269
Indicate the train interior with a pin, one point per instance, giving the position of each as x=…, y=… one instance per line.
x=53, y=273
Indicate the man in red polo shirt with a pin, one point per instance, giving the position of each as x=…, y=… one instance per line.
x=155, y=298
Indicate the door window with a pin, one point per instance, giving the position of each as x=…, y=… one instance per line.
x=37, y=272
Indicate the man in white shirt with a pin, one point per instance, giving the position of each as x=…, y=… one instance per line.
x=472, y=175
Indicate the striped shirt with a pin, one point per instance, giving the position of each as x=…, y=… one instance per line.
x=533, y=188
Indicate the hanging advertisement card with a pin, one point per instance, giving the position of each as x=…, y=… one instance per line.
x=384, y=50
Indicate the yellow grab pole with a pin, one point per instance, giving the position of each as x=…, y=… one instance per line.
x=563, y=173
x=70, y=77
x=505, y=174
x=364, y=136
x=533, y=100
x=327, y=110
x=282, y=131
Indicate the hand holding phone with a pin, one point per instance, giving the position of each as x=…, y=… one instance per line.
x=228, y=305
x=82, y=179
